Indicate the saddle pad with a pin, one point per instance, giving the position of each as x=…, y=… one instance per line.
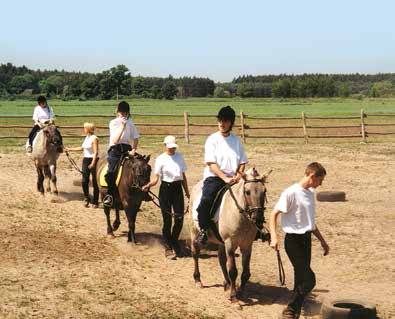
x=195, y=205
x=102, y=179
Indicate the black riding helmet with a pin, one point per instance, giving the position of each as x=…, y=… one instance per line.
x=227, y=113
x=123, y=107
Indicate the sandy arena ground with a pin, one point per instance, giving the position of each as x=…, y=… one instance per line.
x=56, y=260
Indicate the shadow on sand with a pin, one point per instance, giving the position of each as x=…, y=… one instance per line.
x=71, y=196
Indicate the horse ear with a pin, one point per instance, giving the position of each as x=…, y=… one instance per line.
x=265, y=176
x=148, y=158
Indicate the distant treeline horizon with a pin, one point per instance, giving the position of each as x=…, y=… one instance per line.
x=119, y=82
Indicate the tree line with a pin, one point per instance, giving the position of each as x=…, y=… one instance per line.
x=118, y=82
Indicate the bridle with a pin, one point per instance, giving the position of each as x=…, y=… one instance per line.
x=247, y=211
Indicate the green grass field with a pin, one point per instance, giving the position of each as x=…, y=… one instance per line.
x=210, y=106
x=261, y=107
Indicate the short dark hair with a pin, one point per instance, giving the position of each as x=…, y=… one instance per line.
x=41, y=99
x=315, y=168
x=123, y=107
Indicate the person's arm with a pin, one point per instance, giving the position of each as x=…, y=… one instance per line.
x=272, y=228
x=185, y=185
x=117, y=136
x=95, y=146
x=216, y=170
x=324, y=245
x=134, y=146
x=151, y=183
x=73, y=149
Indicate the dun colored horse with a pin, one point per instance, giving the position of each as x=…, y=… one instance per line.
x=47, y=146
x=135, y=174
x=241, y=212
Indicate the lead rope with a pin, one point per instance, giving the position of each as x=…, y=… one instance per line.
x=281, y=273
x=73, y=163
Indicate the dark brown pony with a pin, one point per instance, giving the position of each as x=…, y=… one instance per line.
x=47, y=146
x=135, y=174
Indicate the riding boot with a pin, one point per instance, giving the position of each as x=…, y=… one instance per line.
x=87, y=202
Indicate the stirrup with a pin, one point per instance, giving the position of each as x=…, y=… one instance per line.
x=202, y=237
x=108, y=200
x=29, y=149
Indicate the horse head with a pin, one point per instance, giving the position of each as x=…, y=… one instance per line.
x=255, y=195
x=140, y=170
x=52, y=134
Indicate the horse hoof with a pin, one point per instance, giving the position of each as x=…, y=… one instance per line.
x=226, y=286
x=116, y=225
x=234, y=300
x=198, y=284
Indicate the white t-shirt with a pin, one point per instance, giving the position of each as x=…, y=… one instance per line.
x=130, y=131
x=87, y=145
x=227, y=152
x=43, y=114
x=298, y=210
x=170, y=167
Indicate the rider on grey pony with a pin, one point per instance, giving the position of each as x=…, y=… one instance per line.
x=225, y=163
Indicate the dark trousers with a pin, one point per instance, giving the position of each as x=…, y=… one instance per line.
x=171, y=197
x=298, y=249
x=211, y=186
x=114, y=154
x=86, y=161
x=33, y=133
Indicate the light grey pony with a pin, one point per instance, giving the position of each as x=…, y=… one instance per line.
x=241, y=213
x=47, y=146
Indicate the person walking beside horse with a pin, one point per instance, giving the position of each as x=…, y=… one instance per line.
x=297, y=208
x=170, y=167
x=122, y=130
x=90, y=148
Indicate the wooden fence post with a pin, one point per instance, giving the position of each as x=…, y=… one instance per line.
x=243, y=135
x=363, y=133
x=186, y=124
x=306, y=137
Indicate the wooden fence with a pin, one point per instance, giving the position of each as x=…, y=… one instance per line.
x=246, y=130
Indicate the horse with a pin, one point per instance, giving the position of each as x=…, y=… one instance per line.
x=47, y=147
x=136, y=173
x=241, y=215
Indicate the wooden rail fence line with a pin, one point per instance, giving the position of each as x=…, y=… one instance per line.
x=243, y=127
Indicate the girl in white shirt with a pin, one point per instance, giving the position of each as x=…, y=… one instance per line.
x=42, y=114
x=170, y=169
x=90, y=148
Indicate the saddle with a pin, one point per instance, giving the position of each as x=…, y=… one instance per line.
x=102, y=179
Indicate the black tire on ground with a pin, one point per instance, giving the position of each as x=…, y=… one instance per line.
x=348, y=309
x=331, y=196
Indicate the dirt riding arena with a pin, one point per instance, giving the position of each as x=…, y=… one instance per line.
x=56, y=260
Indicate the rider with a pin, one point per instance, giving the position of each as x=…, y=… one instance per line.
x=122, y=130
x=42, y=114
x=297, y=208
x=170, y=168
x=225, y=163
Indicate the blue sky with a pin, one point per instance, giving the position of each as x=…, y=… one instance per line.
x=215, y=39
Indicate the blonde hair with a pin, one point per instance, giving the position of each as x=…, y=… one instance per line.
x=90, y=127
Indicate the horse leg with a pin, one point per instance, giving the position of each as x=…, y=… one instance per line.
x=246, y=257
x=195, y=249
x=117, y=221
x=40, y=180
x=47, y=174
x=222, y=263
x=131, y=214
x=52, y=168
x=231, y=265
x=109, y=228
